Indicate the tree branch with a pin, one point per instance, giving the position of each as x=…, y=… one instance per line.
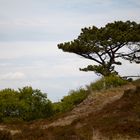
x=90, y=57
x=100, y=56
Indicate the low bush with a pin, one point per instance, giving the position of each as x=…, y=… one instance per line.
x=25, y=104
x=74, y=97
x=107, y=82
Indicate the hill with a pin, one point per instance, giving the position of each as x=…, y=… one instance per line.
x=111, y=114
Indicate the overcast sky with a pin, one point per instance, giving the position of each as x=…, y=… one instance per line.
x=31, y=29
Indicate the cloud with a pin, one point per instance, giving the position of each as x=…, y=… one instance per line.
x=51, y=20
x=31, y=29
x=24, y=23
x=13, y=76
x=28, y=49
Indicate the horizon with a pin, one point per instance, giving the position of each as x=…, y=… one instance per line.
x=30, y=31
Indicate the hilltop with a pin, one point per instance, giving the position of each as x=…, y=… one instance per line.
x=112, y=113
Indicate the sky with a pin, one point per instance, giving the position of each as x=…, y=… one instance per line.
x=31, y=29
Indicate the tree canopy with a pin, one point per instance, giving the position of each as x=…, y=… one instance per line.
x=26, y=104
x=106, y=45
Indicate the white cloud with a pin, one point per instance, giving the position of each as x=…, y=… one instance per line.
x=65, y=24
x=12, y=76
x=27, y=28
x=14, y=50
x=24, y=23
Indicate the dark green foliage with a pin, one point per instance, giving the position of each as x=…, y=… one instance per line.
x=105, y=45
x=107, y=82
x=25, y=104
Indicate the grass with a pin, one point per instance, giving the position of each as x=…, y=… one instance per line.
x=107, y=83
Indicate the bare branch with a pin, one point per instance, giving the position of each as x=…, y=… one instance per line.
x=90, y=57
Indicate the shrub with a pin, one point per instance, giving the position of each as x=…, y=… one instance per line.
x=107, y=82
x=26, y=104
x=75, y=97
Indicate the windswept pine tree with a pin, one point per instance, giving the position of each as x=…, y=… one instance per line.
x=106, y=45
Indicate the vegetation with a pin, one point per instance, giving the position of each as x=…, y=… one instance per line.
x=106, y=45
x=28, y=104
x=68, y=102
x=25, y=104
x=117, y=116
x=116, y=120
x=107, y=82
x=75, y=97
x=120, y=117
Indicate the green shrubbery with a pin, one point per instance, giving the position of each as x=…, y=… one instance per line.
x=107, y=82
x=28, y=104
x=24, y=104
x=75, y=97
